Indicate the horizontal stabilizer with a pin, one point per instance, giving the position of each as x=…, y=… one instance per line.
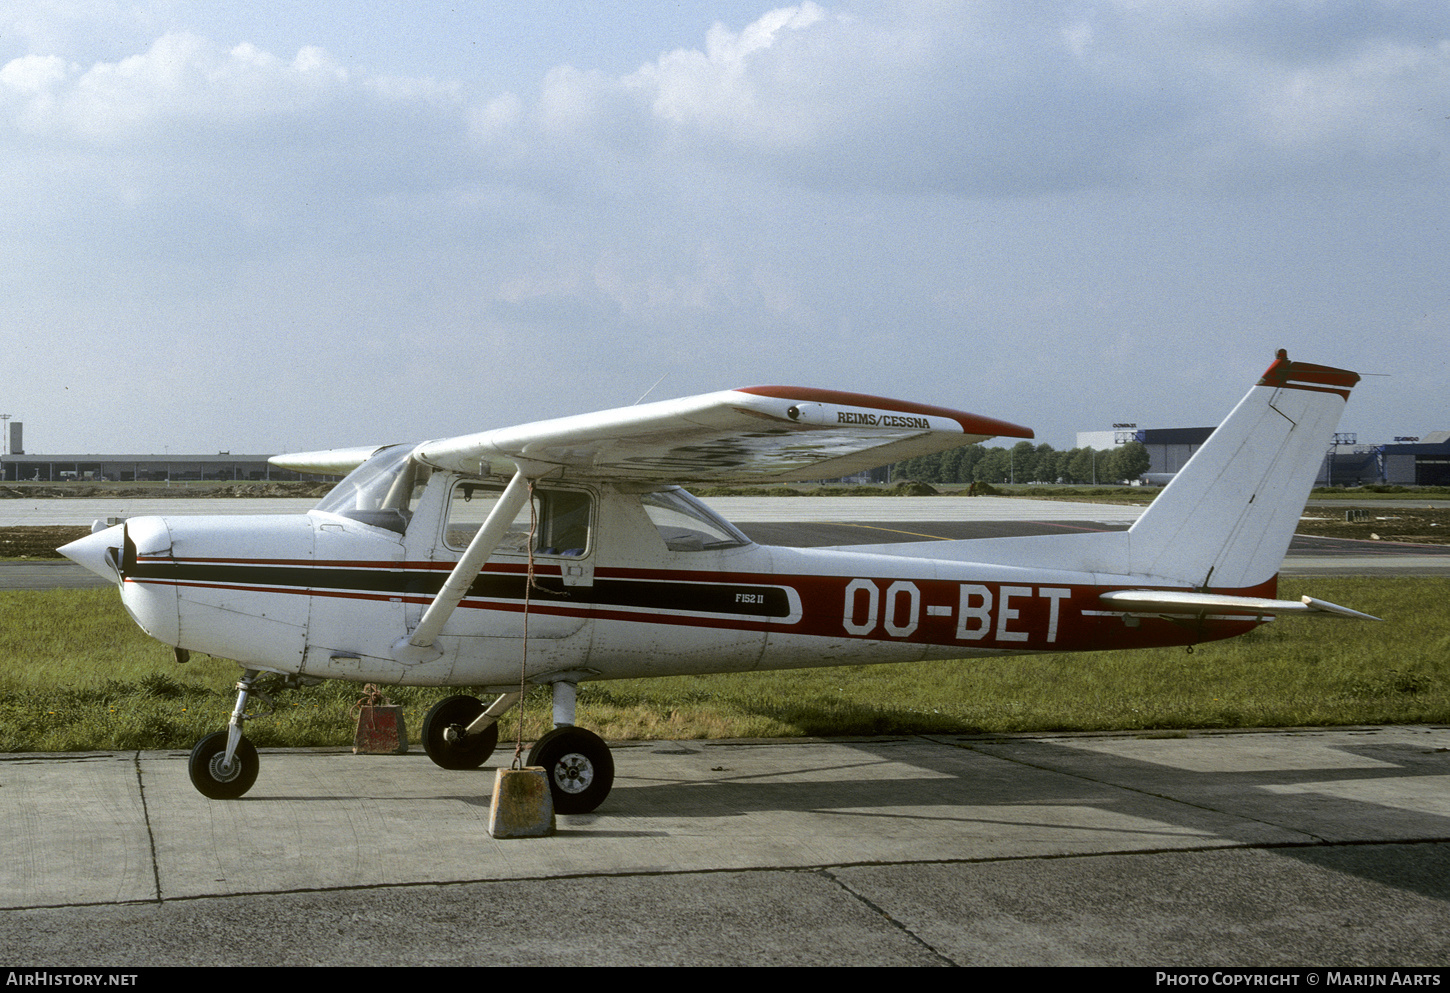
x=1324, y=606
x=1176, y=602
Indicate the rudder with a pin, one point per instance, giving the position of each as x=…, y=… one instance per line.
x=1226, y=519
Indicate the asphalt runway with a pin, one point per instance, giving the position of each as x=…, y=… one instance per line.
x=1286, y=849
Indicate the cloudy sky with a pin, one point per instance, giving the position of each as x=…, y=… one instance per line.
x=265, y=226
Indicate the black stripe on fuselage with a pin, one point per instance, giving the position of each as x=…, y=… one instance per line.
x=740, y=599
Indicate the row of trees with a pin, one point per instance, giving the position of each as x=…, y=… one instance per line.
x=1028, y=463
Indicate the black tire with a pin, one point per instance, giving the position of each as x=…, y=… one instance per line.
x=579, y=766
x=468, y=752
x=210, y=779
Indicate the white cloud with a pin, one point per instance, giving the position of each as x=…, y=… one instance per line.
x=982, y=101
x=728, y=83
x=31, y=75
x=1009, y=100
x=818, y=192
x=181, y=80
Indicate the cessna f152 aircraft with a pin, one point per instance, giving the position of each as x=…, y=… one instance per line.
x=414, y=569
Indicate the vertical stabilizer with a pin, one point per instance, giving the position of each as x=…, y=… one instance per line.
x=1226, y=519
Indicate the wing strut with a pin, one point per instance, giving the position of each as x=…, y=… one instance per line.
x=419, y=646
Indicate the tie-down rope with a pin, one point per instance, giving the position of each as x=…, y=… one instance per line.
x=518, y=762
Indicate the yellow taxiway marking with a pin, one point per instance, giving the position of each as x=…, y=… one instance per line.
x=872, y=527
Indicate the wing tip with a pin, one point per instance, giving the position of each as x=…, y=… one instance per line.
x=327, y=462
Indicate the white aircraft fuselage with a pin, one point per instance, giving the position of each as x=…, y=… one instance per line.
x=324, y=595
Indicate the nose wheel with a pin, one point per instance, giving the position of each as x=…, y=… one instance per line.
x=224, y=765
x=579, y=766
x=217, y=777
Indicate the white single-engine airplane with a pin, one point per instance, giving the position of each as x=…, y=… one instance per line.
x=414, y=569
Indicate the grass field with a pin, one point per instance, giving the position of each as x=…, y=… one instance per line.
x=81, y=676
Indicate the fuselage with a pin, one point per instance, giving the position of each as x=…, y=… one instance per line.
x=626, y=582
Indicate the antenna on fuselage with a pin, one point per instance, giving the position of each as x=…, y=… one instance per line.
x=651, y=389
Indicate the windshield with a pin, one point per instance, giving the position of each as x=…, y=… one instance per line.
x=381, y=491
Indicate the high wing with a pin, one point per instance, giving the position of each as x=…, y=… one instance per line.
x=752, y=434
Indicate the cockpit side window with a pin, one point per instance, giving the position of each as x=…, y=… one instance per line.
x=560, y=519
x=382, y=492
x=687, y=525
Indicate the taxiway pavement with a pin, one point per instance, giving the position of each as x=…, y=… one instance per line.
x=1307, y=847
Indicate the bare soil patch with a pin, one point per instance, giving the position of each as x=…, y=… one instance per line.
x=1427, y=526
x=38, y=542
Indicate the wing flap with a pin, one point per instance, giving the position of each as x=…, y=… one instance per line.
x=754, y=434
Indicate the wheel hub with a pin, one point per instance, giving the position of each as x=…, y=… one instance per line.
x=222, y=770
x=573, y=773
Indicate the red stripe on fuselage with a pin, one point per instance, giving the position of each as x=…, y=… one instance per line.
x=993, y=616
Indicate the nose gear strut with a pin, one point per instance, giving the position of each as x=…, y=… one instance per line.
x=224, y=764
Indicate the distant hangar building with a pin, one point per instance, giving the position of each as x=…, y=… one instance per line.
x=1169, y=449
x=1421, y=463
x=18, y=467
x=1406, y=462
x=224, y=466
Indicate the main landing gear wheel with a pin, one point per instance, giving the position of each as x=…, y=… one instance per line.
x=213, y=777
x=579, y=766
x=443, y=737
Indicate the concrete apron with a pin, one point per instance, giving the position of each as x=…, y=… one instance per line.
x=128, y=826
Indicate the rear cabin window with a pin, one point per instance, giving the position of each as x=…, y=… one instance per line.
x=560, y=519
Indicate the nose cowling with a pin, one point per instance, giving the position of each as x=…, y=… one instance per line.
x=111, y=553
